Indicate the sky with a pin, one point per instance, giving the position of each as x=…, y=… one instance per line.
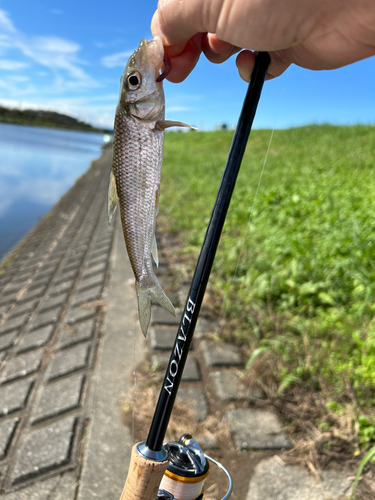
x=68, y=56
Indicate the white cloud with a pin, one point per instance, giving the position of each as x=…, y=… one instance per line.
x=57, y=54
x=9, y=65
x=115, y=60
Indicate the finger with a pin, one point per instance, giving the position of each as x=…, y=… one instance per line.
x=245, y=64
x=217, y=51
x=184, y=62
x=177, y=21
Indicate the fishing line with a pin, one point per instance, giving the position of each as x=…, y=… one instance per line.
x=226, y=302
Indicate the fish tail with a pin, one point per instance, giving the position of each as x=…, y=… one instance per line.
x=144, y=303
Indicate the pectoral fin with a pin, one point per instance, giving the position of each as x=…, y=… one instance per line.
x=112, y=198
x=163, y=124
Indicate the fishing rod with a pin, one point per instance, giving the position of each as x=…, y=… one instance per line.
x=177, y=470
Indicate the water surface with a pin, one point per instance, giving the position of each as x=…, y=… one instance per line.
x=37, y=166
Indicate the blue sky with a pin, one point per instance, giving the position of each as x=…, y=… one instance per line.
x=68, y=56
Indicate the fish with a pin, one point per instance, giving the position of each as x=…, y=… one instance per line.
x=137, y=157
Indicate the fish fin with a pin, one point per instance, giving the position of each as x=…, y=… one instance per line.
x=154, y=252
x=144, y=303
x=112, y=197
x=163, y=124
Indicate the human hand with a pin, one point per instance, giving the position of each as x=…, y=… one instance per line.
x=314, y=34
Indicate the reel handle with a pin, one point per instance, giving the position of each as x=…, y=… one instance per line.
x=144, y=477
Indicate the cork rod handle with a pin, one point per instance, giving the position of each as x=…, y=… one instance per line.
x=144, y=477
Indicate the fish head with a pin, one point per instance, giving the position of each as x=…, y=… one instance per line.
x=141, y=96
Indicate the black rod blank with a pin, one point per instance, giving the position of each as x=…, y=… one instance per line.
x=205, y=260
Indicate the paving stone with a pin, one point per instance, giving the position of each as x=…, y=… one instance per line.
x=79, y=313
x=254, y=429
x=24, y=307
x=33, y=293
x=41, y=279
x=45, y=318
x=3, y=309
x=159, y=316
x=15, y=323
x=194, y=399
x=36, y=338
x=60, y=487
x=13, y=397
x=7, y=340
x=44, y=449
x=58, y=398
x=161, y=339
x=65, y=286
x=99, y=268
x=228, y=386
x=216, y=354
x=73, y=334
x=68, y=361
x=65, y=276
x=96, y=279
x=7, y=429
x=99, y=259
x=191, y=371
x=2, y=356
x=21, y=366
x=92, y=293
x=54, y=301
x=274, y=481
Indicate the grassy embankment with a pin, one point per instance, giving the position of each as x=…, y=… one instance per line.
x=298, y=281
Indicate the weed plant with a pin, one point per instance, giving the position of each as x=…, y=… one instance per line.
x=297, y=279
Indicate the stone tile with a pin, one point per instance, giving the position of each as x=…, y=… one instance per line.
x=98, y=268
x=21, y=366
x=58, y=398
x=161, y=339
x=33, y=293
x=216, y=354
x=79, y=313
x=15, y=323
x=68, y=361
x=194, y=399
x=7, y=430
x=59, y=487
x=191, y=371
x=228, y=386
x=3, y=309
x=7, y=340
x=25, y=307
x=273, y=480
x=44, y=449
x=35, y=338
x=254, y=429
x=74, y=334
x=41, y=279
x=88, y=295
x=159, y=316
x=99, y=259
x=54, y=301
x=65, y=286
x=13, y=397
x=68, y=275
x=2, y=356
x=96, y=279
x=45, y=318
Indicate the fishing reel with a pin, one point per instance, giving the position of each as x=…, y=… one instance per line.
x=187, y=471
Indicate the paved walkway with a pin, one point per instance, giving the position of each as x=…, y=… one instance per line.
x=69, y=342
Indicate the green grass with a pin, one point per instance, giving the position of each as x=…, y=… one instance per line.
x=297, y=281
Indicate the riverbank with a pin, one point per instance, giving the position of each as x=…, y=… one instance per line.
x=49, y=119
x=70, y=344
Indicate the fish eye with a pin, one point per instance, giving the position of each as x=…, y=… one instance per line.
x=134, y=80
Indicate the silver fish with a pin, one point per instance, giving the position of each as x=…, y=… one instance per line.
x=136, y=168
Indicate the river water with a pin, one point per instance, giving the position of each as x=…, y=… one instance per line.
x=37, y=166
